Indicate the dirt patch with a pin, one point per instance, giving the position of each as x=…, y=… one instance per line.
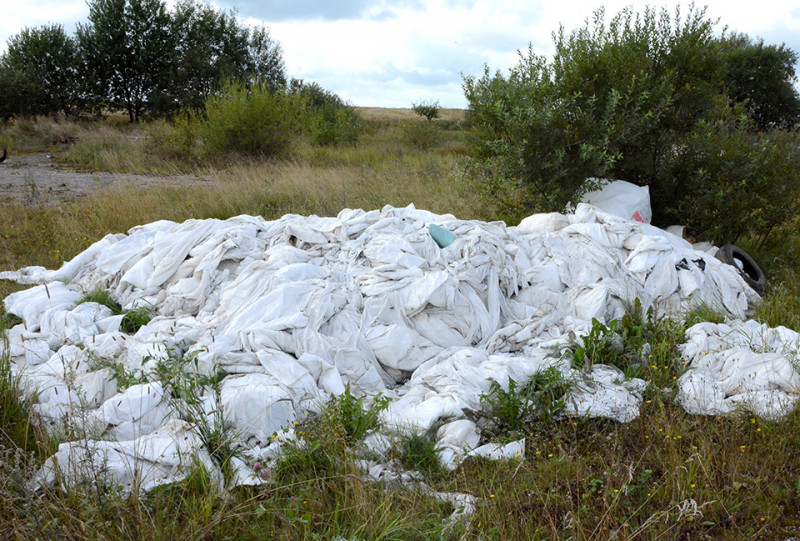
x=37, y=179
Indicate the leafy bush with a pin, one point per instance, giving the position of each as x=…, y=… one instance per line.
x=731, y=182
x=427, y=109
x=177, y=141
x=260, y=122
x=330, y=121
x=523, y=410
x=351, y=417
x=331, y=124
x=643, y=98
x=421, y=135
x=254, y=121
x=314, y=94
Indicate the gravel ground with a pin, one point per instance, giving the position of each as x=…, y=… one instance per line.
x=36, y=179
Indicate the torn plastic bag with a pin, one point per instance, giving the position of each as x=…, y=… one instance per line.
x=623, y=199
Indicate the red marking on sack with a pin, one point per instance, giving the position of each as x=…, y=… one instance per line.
x=638, y=217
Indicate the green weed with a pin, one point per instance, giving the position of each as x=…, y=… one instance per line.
x=121, y=375
x=601, y=345
x=518, y=411
x=8, y=320
x=181, y=378
x=418, y=453
x=641, y=343
x=348, y=415
x=18, y=423
x=134, y=320
x=104, y=297
x=321, y=446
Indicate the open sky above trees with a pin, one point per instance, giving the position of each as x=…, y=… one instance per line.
x=392, y=53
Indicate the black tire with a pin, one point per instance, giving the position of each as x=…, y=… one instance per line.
x=748, y=269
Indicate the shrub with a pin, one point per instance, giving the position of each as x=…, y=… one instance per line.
x=421, y=135
x=260, y=122
x=641, y=98
x=314, y=94
x=523, y=410
x=331, y=124
x=427, y=109
x=329, y=121
x=349, y=415
x=731, y=182
x=177, y=141
x=253, y=121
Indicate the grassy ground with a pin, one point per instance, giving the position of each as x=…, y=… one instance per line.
x=666, y=475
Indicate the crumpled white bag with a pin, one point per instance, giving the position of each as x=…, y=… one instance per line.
x=739, y=366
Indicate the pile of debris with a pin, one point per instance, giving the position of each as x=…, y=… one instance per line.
x=294, y=311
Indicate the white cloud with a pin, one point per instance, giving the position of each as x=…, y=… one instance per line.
x=19, y=14
x=420, y=51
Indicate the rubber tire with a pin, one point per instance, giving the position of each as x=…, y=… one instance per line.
x=749, y=269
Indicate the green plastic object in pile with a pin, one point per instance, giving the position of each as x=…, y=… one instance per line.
x=442, y=236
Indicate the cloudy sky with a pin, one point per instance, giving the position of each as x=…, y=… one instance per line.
x=390, y=53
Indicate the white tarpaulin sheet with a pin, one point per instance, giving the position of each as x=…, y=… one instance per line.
x=742, y=365
x=294, y=310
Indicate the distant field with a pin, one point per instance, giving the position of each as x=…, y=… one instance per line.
x=385, y=113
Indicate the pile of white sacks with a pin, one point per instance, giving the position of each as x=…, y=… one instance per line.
x=294, y=310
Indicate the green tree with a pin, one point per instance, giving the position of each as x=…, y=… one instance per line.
x=314, y=94
x=126, y=48
x=427, y=109
x=203, y=57
x=212, y=47
x=627, y=99
x=762, y=76
x=265, y=65
x=37, y=73
x=329, y=120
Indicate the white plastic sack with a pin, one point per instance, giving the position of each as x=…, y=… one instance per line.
x=740, y=366
x=141, y=464
x=623, y=199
